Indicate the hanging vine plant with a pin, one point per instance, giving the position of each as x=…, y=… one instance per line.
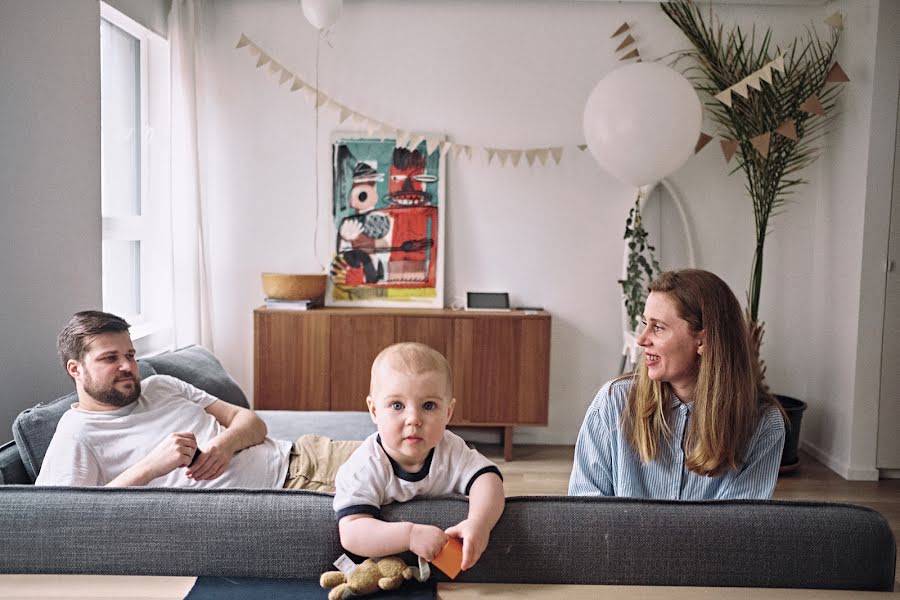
x=641, y=267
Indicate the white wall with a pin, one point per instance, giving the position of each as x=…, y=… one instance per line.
x=50, y=177
x=517, y=74
x=501, y=73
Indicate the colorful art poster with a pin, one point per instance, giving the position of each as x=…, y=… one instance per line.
x=388, y=215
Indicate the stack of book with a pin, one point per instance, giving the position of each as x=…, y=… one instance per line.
x=281, y=304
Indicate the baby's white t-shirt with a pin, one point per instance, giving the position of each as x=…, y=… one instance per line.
x=370, y=478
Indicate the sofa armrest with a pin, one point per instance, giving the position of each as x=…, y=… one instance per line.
x=12, y=469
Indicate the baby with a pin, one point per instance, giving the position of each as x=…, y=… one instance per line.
x=413, y=454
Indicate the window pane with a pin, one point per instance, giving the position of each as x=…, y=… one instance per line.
x=120, y=121
x=122, y=277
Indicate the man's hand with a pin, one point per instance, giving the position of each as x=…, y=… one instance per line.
x=212, y=462
x=426, y=541
x=474, y=538
x=176, y=450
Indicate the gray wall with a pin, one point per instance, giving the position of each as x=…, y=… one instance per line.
x=50, y=181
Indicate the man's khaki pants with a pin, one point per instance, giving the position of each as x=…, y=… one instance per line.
x=315, y=461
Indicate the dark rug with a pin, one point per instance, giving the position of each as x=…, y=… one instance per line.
x=255, y=588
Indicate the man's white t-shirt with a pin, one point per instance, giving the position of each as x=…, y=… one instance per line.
x=93, y=447
x=370, y=478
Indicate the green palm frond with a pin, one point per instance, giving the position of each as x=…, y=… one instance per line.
x=721, y=57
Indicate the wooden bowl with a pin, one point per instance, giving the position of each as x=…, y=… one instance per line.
x=288, y=286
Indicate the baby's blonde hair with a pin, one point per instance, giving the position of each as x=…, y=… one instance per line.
x=413, y=358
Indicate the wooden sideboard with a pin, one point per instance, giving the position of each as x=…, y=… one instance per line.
x=320, y=359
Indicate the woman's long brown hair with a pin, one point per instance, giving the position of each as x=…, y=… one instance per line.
x=727, y=403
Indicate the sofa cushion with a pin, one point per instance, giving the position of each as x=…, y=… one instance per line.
x=34, y=427
x=198, y=366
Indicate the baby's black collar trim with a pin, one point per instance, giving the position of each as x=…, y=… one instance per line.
x=402, y=473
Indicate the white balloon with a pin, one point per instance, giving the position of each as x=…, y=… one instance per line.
x=642, y=122
x=322, y=14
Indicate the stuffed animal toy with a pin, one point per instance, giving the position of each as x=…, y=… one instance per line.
x=370, y=576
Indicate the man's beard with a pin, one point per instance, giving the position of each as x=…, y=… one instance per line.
x=109, y=395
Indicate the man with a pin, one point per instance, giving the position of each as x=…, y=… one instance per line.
x=163, y=431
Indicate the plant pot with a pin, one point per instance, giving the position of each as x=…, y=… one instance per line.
x=794, y=409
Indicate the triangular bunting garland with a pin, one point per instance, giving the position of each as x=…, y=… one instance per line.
x=812, y=105
x=633, y=54
x=836, y=20
x=766, y=74
x=405, y=139
x=740, y=88
x=703, y=141
x=729, y=147
x=724, y=97
x=626, y=42
x=622, y=29
x=761, y=143
x=788, y=130
x=836, y=74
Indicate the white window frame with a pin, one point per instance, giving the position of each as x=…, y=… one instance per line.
x=152, y=329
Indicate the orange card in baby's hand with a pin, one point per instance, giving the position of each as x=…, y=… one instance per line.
x=449, y=558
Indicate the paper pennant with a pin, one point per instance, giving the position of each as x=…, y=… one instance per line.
x=836, y=74
x=740, y=88
x=516, y=156
x=309, y=95
x=633, y=54
x=542, y=155
x=701, y=142
x=468, y=151
x=457, y=150
x=274, y=67
x=321, y=99
x=491, y=153
x=778, y=63
x=836, y=20
x=729, y=147
x=530, y=156
x=244, y=41
x=402, y=139
x=761, y=143
x=432, y=143
x=503, y=155
x=812, y=105
x=788, y=130
x=285, y=75
x=445, y=148
x=372, y=127
x=753, y=81
x=724, y=97
x=297, y=85
x=626, y=42
x=582, y=147
x=343, y=114
x=263, y=59
x=415, y=141
x=556, y=153
x=766, y=74
x=622, y=29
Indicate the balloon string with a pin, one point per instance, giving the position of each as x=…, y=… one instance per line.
x=316, y=222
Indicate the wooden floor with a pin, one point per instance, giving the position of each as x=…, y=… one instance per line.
x=544, y=471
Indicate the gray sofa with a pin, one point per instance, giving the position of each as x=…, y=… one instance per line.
x=284, y=533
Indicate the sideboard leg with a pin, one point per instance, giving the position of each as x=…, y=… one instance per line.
x=507, y=443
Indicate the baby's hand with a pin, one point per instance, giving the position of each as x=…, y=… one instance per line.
x=426, y=541
x=475, y=540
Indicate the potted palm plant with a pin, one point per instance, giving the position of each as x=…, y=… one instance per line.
x=781, y=107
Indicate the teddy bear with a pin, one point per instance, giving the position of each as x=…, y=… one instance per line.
x=370, y=576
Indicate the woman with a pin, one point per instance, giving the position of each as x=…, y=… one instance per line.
x=690, y=423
